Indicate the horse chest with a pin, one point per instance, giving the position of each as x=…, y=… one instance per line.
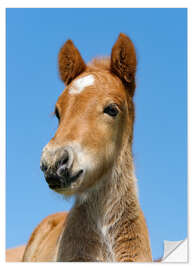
x=106, y=245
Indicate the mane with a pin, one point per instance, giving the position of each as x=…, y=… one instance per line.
x=99, y=63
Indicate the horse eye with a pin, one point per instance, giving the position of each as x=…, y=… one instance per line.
x=111, y=110
x=57, y=113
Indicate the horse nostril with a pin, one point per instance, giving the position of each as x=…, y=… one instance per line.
x=62, y=167
x=65, y=158
x=43, y=167
x=63, y=171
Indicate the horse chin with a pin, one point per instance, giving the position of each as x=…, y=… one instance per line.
x=72, y=189
x=67, y=192
x=84, y=183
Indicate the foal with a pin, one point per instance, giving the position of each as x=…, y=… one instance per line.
x=90, y=157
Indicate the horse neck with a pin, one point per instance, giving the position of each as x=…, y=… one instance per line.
x=115, y=193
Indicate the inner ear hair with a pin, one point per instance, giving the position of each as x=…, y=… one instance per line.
x=123, y=62
x=70, y=62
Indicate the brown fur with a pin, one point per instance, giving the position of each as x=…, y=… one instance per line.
x=105, y=64
x=106, y=223
x=123, y=62
x=15, y=254
x=70, y=62
x=42, y=244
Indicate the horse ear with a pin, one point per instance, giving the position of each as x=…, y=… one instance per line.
x=70, y=62
x=123, y=62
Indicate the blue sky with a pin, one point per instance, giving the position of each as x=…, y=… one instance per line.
x=33, y=39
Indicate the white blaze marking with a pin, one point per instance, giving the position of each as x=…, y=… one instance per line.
x=79, y=85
